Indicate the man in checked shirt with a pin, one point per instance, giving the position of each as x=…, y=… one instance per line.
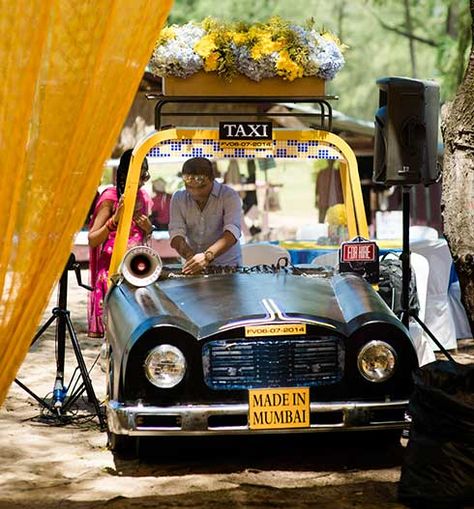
x=205, y=219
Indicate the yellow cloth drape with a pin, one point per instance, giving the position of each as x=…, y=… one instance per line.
x=69, y=73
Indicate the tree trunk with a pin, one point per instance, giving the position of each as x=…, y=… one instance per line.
x=458, y=179
x=411, y=42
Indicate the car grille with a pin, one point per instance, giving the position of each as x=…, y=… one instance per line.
x=248, y=364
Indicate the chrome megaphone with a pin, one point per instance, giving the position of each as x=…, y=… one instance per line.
x=141, y=266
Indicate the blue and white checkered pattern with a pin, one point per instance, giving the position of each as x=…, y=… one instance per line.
x=212, y=149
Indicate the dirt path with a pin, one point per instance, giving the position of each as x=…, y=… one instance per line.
x=43, y=465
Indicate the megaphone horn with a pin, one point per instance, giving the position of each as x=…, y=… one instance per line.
x=141, y=266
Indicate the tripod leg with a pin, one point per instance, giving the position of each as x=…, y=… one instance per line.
x=42, y=402
x=44, y=327
x=40, y=332
x=433, y=338
x=83, y=369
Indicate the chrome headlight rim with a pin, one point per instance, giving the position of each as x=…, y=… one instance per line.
x=371, y=344
x=171, y=382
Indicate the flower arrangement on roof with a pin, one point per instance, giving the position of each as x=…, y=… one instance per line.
x=276, y=48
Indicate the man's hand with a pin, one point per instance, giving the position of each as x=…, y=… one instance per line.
x=195, y=264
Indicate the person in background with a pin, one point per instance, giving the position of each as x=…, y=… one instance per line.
x=103, y=228
x=328, y=189
x=160, y=210
x=205, y=219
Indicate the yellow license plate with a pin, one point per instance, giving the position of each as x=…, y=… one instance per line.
x=279, y=408
x=285, y=329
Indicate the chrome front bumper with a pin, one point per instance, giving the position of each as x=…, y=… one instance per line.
x=141, y=420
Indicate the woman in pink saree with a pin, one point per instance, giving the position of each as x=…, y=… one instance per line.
x=102, y=232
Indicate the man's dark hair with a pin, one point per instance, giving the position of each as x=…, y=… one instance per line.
x=198, y=166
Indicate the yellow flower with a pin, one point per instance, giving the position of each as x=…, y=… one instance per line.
x=336, y=215
x=166, y=34
x=287, y=68
x=211, y=62
x=205, y=46
x=239, y=38
x=264, y=46
x=331, y=37
x=238, y=47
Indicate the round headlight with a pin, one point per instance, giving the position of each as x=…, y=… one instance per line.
x=376, y=361
x=165, y=366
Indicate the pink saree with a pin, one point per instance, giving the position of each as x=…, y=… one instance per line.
x=100, y=256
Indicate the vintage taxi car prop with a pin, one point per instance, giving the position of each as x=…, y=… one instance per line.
x=268, y=349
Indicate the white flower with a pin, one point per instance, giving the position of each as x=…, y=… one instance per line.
x=176, y=57
x=325, y=58
x=318, y=55
x=255, y=69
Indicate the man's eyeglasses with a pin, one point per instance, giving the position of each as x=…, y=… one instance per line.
x=195, y=179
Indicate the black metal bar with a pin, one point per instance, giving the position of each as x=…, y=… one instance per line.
x=325, y=113
x=59, y=390
x=40, y=332
x=253, y=114
x=74, y=396
x=243, y=99
x=406, y=274
x=405, y=256
x=433, y=338
x=41, y=401
x=43, y=328
x=83, y=369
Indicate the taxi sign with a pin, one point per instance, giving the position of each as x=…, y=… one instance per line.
x=245, y=131
x=360, y=256
x=359, y=252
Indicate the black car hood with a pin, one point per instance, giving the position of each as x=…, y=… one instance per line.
x=206, y=305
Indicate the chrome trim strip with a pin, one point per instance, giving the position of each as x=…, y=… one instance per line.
x=268, y=306
x=285, y=318
x=272, y=313
x=122, y=419
x=269, y=317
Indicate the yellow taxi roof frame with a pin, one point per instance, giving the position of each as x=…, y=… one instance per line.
x=352, y=192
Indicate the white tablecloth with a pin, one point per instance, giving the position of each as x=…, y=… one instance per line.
x=438, y=315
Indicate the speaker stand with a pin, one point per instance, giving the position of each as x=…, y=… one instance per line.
x=61, y=402
x=406, y=275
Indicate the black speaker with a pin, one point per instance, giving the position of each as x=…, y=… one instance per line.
x=406, y=132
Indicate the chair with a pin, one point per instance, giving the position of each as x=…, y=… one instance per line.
x=418, y=232
x=438, y=316
x=312, y=231
x=331, y=259
x=421, y=269
x=424, y=347
x=263, y=254
x=461, y=322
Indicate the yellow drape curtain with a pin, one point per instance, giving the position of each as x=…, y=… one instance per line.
x=69, y=73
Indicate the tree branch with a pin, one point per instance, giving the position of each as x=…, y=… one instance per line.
x=399, y=31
